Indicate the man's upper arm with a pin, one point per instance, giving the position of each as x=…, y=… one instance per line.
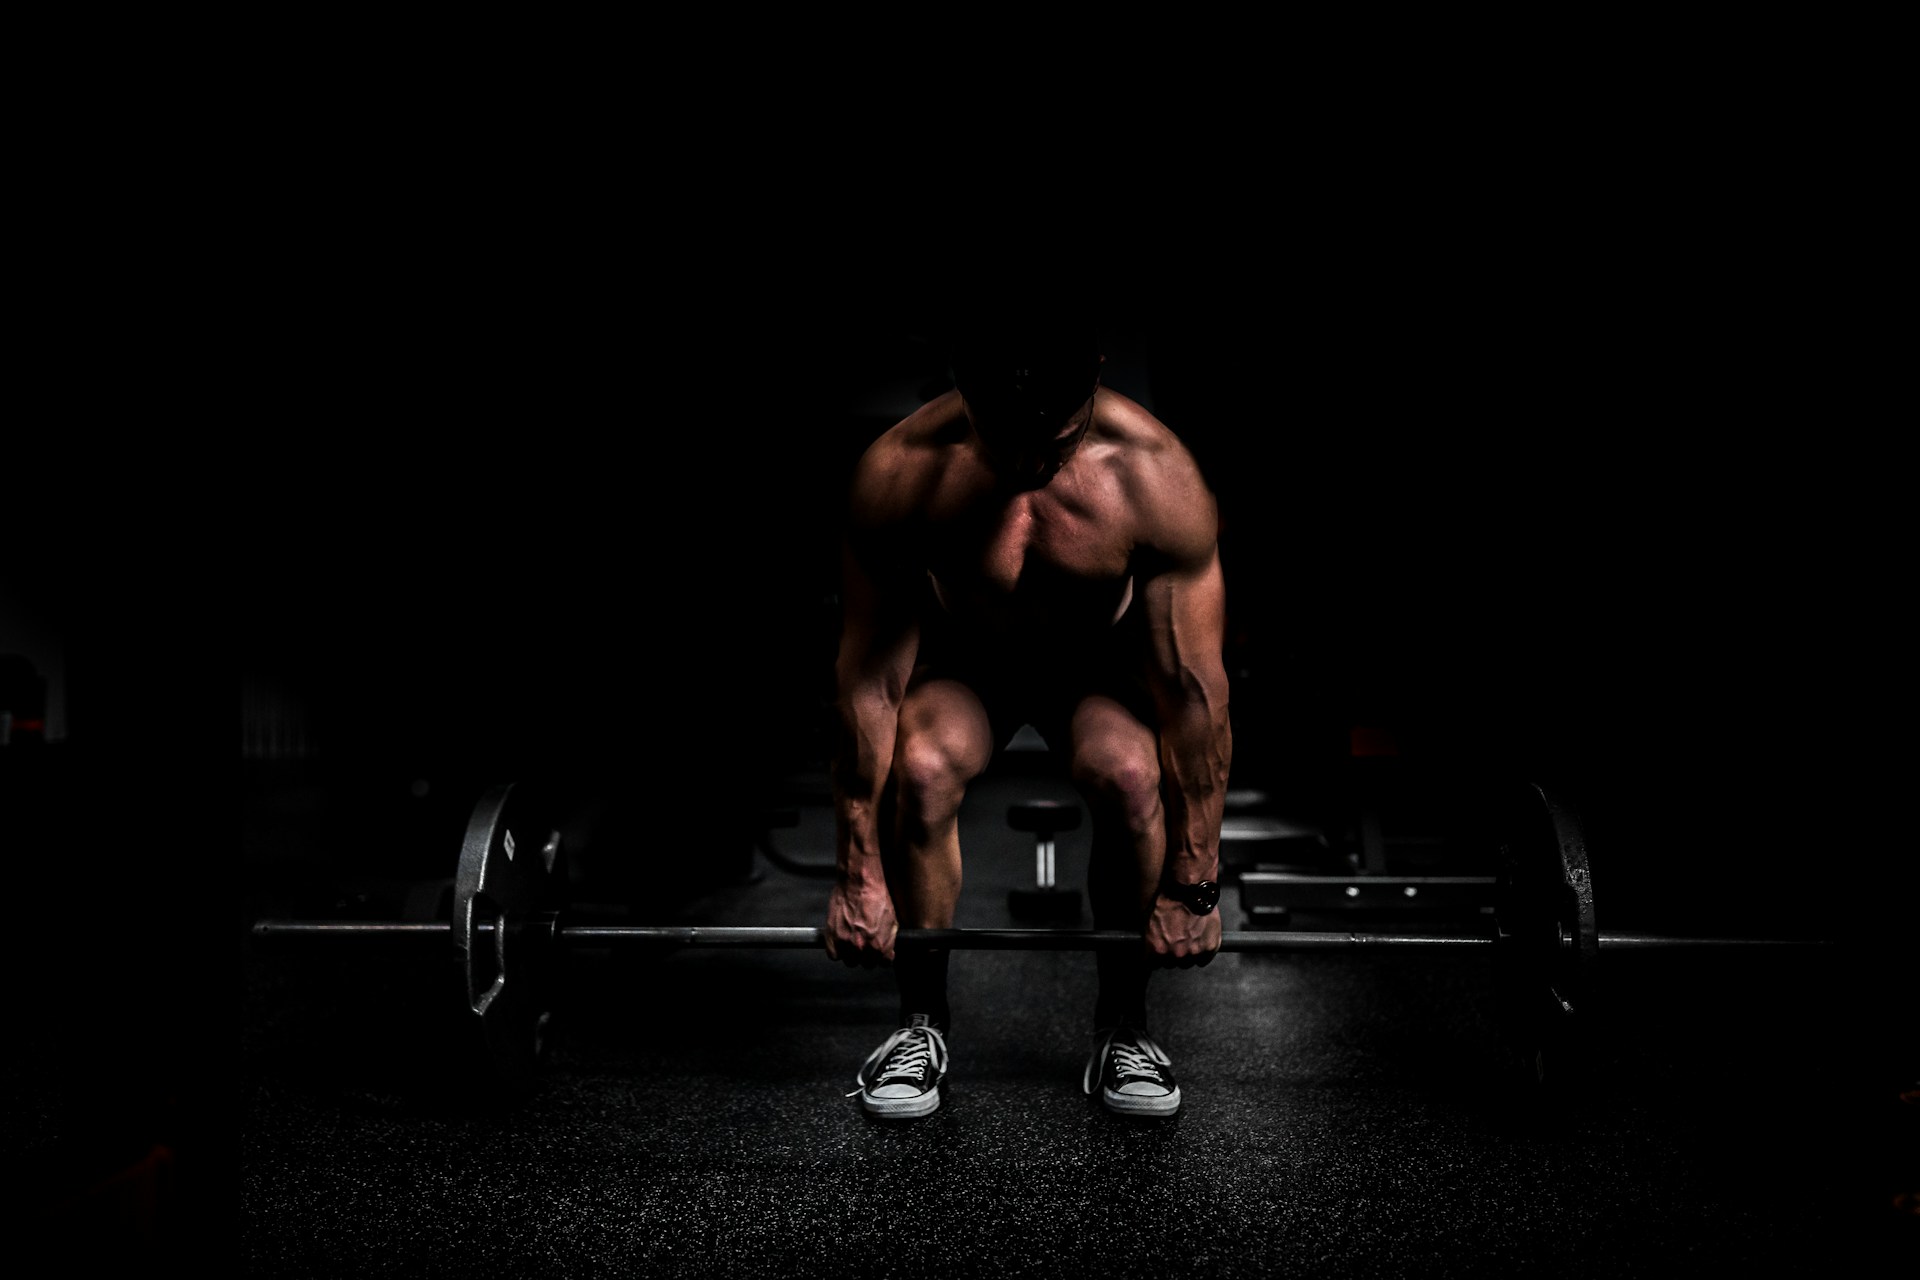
x=877, y=590
x=1186, y=617
x=1186, y=591
x=878, y=638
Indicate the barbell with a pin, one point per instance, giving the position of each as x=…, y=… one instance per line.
x=508, y=926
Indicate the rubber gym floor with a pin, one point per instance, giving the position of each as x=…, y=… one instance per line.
x=1344, y=1113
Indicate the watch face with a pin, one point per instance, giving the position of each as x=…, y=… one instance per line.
x=1199, y=898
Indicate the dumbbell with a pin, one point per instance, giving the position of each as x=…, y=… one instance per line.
x=1045, y=900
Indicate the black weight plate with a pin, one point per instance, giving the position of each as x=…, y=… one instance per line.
x=1577, y=972
x=1549, y=945
x=507, y=896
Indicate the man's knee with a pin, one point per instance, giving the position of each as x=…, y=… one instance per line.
x=930, y=779
x=1122, y=786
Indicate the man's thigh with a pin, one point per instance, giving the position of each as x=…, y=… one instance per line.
x=1108, y=739
x=945, y=725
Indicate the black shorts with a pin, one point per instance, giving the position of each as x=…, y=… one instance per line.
x=1039, y=681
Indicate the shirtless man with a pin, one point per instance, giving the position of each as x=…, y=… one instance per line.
x=1029, y=548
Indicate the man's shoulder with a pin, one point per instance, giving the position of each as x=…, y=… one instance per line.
x=935, y=425
x=1169, y=496
x=1149, y=450
x=904, y=463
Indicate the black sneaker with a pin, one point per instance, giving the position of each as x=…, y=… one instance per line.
x=1132, y=1073
x=901, y=1079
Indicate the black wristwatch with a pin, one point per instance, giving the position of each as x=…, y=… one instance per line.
x=1199, y=898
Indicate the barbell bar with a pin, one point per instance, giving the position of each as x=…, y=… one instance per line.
x=790, y=937
x=508, y=924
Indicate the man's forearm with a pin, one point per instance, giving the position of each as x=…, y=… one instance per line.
x=861, y=766
x=1196, y=757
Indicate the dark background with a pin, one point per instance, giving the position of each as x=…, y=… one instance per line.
x=1534, y=442
x=1542, y=491
x=578, y=518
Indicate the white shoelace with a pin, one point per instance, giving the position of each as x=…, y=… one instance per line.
x=1136, y=1065
x=906, y=1053
x=1140, y=1062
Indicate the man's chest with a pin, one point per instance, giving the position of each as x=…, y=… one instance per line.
x=1031, y=556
